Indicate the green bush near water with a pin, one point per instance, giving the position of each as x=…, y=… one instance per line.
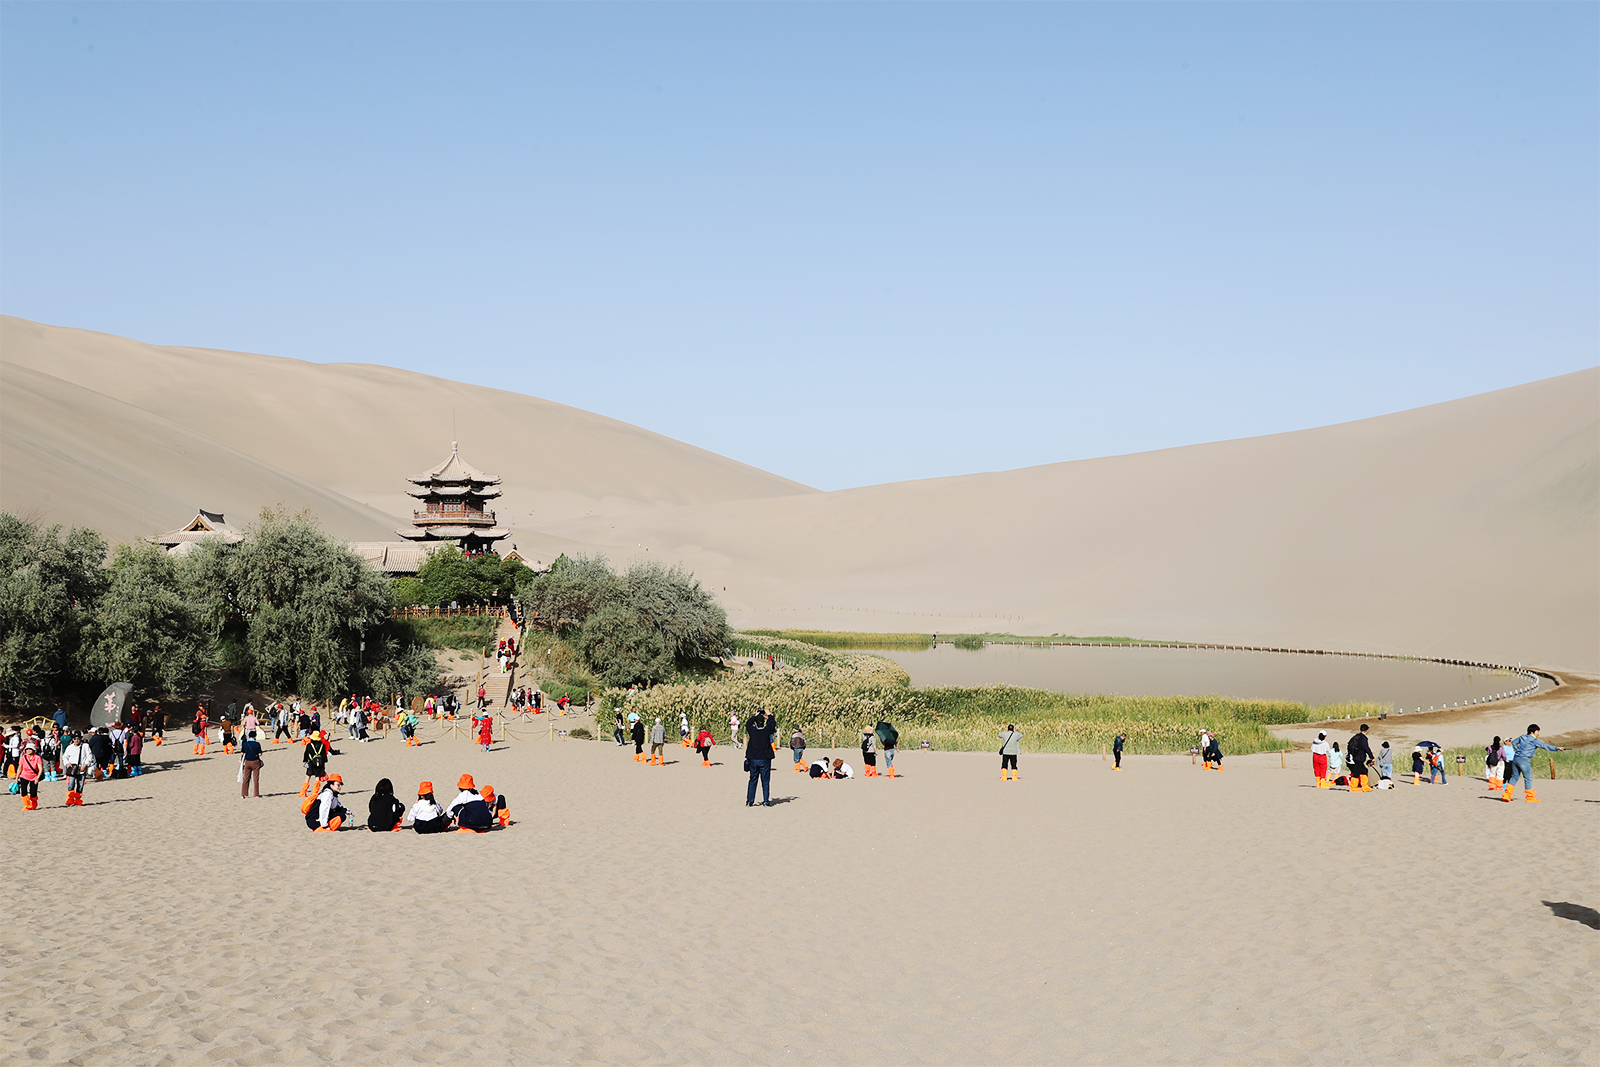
x=832, y=694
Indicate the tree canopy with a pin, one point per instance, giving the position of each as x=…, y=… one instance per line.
x=447, y=576
x=50, y=580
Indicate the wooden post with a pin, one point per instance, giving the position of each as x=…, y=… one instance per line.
x=1102, y=753
x=1552, y=760
x=1283, y=759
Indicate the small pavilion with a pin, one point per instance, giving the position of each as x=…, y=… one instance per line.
x=205, y=526
x=452, y=497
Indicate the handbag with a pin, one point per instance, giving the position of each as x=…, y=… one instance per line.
x=241, y=771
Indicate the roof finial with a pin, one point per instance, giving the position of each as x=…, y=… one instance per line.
x=452, y=448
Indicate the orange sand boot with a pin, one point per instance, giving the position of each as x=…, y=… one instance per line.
x=1531, y=797
x=799, y=768
x=1506, y=796
x=892, y=774
x=305, y=787
x=505, y=817
x=705, y=763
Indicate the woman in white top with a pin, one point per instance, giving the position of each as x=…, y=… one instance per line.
x=78, y=762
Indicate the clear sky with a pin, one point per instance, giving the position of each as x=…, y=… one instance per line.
x=846, y=243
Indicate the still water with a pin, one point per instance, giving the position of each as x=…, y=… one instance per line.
x=1132, y=671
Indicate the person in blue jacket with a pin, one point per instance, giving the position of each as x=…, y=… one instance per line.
x=1522, y=750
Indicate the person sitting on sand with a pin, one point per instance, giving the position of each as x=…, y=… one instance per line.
x=384, y=810
x=427, y=817
x=468, y=808
x=841, y=769
x=822, y=768
x=497, y=807
x=327, y=812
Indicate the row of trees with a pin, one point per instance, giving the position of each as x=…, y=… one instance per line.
x=634, y=628
x=290, y=607
x=449, y=577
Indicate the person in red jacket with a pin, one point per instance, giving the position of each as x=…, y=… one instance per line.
x=702, y=744
x=30, y=768
x=486, y=732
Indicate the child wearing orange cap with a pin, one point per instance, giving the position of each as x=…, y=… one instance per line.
x=468, y=808
x=315, y=757
x=427, y=817
x=497, y=807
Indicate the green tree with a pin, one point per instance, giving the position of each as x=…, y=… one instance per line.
x=570, y=591
x=307, y=600
x=672, y=603
x=407, y=669
x=50, y=582
x=147, y=627
x=447, y=576
x=622, y=649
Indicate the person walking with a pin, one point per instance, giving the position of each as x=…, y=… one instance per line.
x=869, y=753
x=702, y=744
x=1116, y=751
x=78, y=762
x=733, y=729
x=683, y=728
x=1358, y=756
x=638, y=740
x=133, y=745
x=1523, y=749
x=1491, y=764
x=658, y=741
x=250, y=757
x=315, y=758
x=30, y=768
x=797, y=745
x=758, y=754
x=1010, y=748
x=486, y=731
x=889, y=738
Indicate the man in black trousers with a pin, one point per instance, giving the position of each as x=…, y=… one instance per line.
x=758, y=754
x=1359, y=755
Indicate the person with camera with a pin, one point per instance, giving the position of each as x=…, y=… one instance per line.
x=758, y=754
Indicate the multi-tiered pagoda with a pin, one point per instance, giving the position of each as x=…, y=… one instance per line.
x=452, y=496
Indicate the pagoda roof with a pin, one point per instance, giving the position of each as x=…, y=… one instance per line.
x=452, y=490
x=453, y=533
x=454, y=471
x=391, y=557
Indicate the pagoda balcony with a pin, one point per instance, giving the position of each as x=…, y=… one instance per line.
x=455, y=518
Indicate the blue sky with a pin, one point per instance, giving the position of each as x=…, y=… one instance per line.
x=846, y=243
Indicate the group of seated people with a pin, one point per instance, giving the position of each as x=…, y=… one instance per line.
x=474, y=810
x=837, y=769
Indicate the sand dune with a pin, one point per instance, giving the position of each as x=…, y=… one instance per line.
x=1466, y=529
x=632, y=914
x=360, y=430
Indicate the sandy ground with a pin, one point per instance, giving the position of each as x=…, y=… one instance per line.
x=634, y=914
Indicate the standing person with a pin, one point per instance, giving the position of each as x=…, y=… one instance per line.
x=683, y=728
x=61, y=717
x=869, y=753
x=1336, y=765
x=1385, y=766
x=427, y=817
x=13, y=751
x=1523, y=749
x=758, y=753
x=158, y=723
x=1214, y=753
x=77, y=760
x=30, y=768
x=483, y=698
x=733, y=729
x=702, y=744
x=658, y=740
x=384, y=811
x=1010, y=748
x=251, y=723
x=1491, y=763
x=302, y=726
x=1358, y=756
x=250, y=755
x=100, y=745
x=201, y=727
x=797, y=745
x=1205, y=748
x=1116, y=751
x=227, y=737
x=889, y=738
x=616, y=728
x=1319, y=759
x=315, y=758
x=638, y=740
x=134, y=745
x=486, y=731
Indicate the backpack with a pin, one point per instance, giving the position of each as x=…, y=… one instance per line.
x=1491, y=756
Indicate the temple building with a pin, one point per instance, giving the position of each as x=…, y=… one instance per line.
x=452, y=497
x=205, y=526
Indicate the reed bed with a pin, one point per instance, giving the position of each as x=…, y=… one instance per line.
x=832, y=694
x=847, y=640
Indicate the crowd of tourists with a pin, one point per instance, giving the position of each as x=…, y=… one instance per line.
x=1361, y=769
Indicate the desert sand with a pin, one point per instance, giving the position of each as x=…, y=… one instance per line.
x=634, y=914
x=1468, y=529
